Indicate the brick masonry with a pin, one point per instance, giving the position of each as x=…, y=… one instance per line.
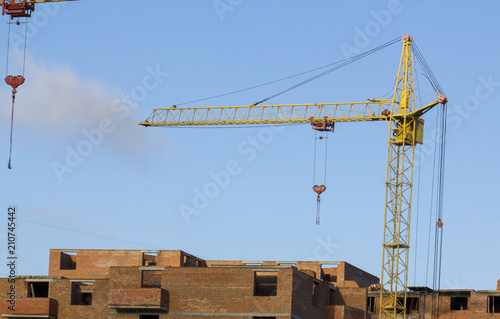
x=117, y=284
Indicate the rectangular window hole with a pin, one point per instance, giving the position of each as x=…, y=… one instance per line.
x=38, y=289
x=149, y=316
x=370, y=304
x=458, y=303
x=265, y=283
x=80, y=294
x=412, y=305
x=287, y=264
x=68, y=260
x=493, y=304
x=149, y=259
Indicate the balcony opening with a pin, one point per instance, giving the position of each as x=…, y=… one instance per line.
x=149, y=259
x=38, y=289
x=265, y=283
x=149, y=316
x=68, y=260
x=458, y=303
x=411, y=304
x=316, y=294
x=263, y=317
x=151, y=279
x=370, y=304
x=493, y=304
x=80, y=294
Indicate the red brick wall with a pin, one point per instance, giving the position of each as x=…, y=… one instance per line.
x=352, y=297
x=95, y=263
x=60, y=291
x=360, y=277
x=432, y=305
x=223, y=289
x=302, y=302
x=125, y=278
x=334, y=312
x=343, y=312
x=34, y=306
x=139, y=297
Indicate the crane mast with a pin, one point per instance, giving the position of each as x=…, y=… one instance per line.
x=405, y=132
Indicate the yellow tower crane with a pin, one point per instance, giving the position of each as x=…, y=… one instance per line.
x=405, y=132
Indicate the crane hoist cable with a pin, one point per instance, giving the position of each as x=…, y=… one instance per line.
x=438, y=246
x=325, y=125
x=319, y=189
x=14, y=81
x=322, y=128
x=437, y=208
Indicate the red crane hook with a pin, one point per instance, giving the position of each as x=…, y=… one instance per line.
x=14, y=81
x=319, y=189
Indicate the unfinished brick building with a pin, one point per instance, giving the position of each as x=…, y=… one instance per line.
x=173, y=284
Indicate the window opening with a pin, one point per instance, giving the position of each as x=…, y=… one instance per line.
x=68, y=260
x=493, y=304
x=81, y=294
x=265, y=283
x=458, y=303
x=149, y=259
x=38, y=289
x=370, y=304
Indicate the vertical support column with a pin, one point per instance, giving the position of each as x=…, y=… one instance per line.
x=398, y=193
x=397, y=229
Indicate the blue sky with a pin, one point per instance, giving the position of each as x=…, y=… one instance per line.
x=96, y=68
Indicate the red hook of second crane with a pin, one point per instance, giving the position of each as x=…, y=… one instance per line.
x=14, y=81
x=319, y=189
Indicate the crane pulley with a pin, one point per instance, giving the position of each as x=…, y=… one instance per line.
x=403, y=118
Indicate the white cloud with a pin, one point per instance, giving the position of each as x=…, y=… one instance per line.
x=57, y=104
